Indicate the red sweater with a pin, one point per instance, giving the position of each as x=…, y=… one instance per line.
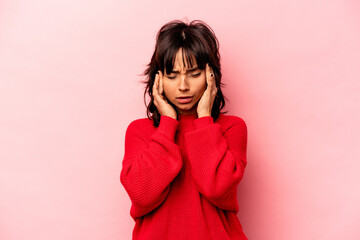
x=182, y=177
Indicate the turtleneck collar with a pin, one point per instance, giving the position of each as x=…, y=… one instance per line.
x=187, y=118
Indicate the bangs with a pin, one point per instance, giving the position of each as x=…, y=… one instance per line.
x=191, y=50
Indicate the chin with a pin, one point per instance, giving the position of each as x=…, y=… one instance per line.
x=187, y=107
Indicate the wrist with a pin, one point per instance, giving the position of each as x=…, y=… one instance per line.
x=204, y=115
x=172, y=116
x=203, y=121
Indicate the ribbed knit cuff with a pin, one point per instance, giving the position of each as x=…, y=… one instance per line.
x=168, y=127
x=203, y=121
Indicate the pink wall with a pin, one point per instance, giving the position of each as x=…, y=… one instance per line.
x=70, y=84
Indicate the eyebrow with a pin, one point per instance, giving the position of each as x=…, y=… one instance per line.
x=189, y=70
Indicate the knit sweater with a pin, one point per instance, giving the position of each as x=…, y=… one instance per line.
x=182, y=177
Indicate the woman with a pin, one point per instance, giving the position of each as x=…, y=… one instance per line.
x=182, y=163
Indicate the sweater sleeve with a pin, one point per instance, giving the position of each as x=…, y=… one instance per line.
x=217, y=160
x=149, y=166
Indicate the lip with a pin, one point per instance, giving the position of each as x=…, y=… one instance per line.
x=184, y=99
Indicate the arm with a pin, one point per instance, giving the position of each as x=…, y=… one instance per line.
x=217, y=160
x=150, y=166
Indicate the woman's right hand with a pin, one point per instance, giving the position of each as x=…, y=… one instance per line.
x=160, y=101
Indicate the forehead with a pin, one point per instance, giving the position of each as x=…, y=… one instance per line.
x=181, y=63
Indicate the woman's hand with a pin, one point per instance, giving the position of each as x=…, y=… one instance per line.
x=207, y=100
x=160, y=101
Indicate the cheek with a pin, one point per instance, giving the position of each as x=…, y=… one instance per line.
x=167, y=89
x=201, y=86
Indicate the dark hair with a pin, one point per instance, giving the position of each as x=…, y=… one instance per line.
x=196, y=39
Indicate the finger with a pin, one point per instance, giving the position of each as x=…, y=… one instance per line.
x=155, y=91
x=208, y=77
x=159, y=85
x=161, y=88
x=207, y=73
x=211, y=76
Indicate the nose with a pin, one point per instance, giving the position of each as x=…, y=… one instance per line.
x=183, y=83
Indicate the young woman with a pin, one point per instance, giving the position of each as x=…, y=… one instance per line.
x=182, y=164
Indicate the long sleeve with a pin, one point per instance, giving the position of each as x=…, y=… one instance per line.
x=217, y=160
x=149, y=166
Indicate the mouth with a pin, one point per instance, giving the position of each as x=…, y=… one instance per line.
x=185, y=99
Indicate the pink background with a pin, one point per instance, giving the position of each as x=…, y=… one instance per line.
x=70, y=85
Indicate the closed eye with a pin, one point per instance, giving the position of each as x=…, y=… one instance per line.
x=193, y=75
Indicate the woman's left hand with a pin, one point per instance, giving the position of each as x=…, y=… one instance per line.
x=206, y=101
